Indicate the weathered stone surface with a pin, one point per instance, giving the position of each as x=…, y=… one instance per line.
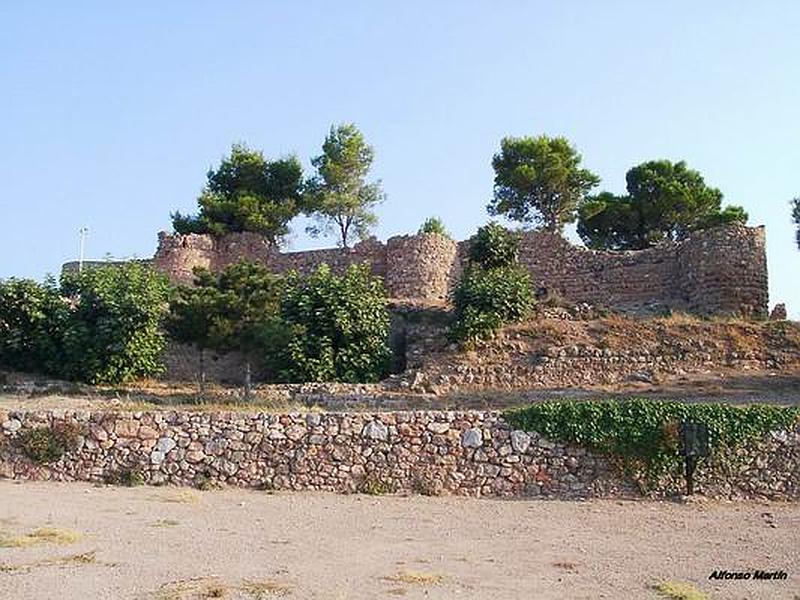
x=476, y=454
x=195, y=456
x=126, y=428
x=721, y=270
x=147, y=433
x=472, y=438
x=12, y=425
x=375, y=430
x=98, y=433
x=520, y=441
x=295, y=432
x=439, y=427
x=165, y=444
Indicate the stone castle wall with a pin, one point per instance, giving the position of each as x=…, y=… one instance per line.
x=720, y=271
x=474, y=453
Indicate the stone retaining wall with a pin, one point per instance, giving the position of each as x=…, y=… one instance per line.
x=719, y=271
x=470, y=453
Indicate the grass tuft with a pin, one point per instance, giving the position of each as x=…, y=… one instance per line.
x=44, y=535
x=180, y=497
x=416, y=578
x=166, y=523
x=678, y=590
x=265, y=588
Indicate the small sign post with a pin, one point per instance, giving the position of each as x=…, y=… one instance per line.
x=694, y=445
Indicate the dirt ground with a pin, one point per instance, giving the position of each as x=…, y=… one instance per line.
x=73, y=540
x=723, y=385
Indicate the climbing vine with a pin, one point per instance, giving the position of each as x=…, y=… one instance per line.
x=643, y=434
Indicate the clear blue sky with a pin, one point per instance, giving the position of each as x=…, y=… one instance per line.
x=110, y=116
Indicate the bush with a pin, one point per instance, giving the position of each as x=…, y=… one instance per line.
x=434, y=225
x=494, y=246
x=46, y=445
x=128, y=477
x=644, y=433
x=32, y=320
x=99, y=326
x=487, y=298
x=114, y=329
x=339, y=326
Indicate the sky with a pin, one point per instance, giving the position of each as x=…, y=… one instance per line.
x=111, y=115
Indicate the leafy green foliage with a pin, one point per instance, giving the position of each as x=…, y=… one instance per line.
x=192, y=314
x=338, y=196
x=539, y=180
x=235, y=310
x=114, y=331
x=248, y=303
x=247, y=192
x=665, y=201
x=493, y=290
x=796, y=218
x=323, y=327
x=494, y=246
x=485, y=299
x=32, y=321
x=99, y=326
x=433, y=225
x=644, y=433
x=192, y=310
x=339, y=326
x=45, y=444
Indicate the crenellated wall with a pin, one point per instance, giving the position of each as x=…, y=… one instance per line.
x=720, y=271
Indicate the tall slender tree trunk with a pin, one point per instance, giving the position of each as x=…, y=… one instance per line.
x=344, y=225
x=248, y=382
x=202, y=382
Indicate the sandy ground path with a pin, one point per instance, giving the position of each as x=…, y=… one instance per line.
x=169, y=543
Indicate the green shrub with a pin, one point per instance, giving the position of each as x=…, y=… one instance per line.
x=644, y=433
x=32, y=321
x=374, y=486
x=48, y=444
x=486, y=298
x=100, y=326
x=129, y=477
x=339, y=326
x=114, y=331
x=494, y=246
x=434, y=225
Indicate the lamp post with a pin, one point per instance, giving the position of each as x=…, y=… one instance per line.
x=83, y=232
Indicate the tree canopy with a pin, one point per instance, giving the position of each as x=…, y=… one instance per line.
x=539, y=180
x=234, y=310
x=99, y=326
x=247, y=192
x=796, y=218
x=339, y=327
x=33, y=317
x=665, y=201
x=114, y=331
x=339, y=197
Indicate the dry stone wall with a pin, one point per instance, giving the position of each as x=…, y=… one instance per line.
x=470, y=453
x=720, y=271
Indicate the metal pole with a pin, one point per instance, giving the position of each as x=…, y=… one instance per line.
x=82, y=232
x=690, y=465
